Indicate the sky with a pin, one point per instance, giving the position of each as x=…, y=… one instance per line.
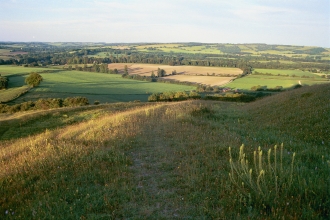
x=288, y=22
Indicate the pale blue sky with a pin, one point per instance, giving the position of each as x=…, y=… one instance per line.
x=294, y=22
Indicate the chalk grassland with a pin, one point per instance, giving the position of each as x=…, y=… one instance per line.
x=97, y=86
x=205, y=80
x=170, y=161
x=146, y=69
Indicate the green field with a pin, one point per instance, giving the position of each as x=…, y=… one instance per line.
x=6, y=70
x=273, y=81
x=97, y=86
x=298, y=73
x=16, y=84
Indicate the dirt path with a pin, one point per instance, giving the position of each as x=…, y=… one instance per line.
x=154, y=166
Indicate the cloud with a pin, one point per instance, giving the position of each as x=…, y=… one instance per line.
x=166, y=21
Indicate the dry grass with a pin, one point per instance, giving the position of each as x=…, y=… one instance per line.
x=170, y=161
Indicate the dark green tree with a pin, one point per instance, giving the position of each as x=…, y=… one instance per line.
x=3, y=82
x=161, y=72
x=33, y=79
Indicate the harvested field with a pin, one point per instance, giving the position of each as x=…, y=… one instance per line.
x=146, y=69
x=206, y=80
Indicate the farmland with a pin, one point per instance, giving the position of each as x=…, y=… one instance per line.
x=273, y=81
x=195, y=74
x=96, y=86
x=146, y=69
x=165, y=160
x=19, y=70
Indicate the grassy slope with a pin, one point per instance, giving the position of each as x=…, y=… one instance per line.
x=169, y=160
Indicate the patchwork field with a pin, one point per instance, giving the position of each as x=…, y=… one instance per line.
x=6, y=54
x=146, y=69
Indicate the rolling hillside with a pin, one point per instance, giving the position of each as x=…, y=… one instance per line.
x=170, y=160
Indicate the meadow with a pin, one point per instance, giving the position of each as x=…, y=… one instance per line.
x=16, y=85
x=272, y=81
x=298, y=73
x=96, y=87
x=8, y=71
x=170, y=160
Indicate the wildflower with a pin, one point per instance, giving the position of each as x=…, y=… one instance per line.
x=6, y=212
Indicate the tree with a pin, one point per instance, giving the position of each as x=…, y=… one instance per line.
x=33, y=79
x=125, y=70
x=161, y=72
x=153, y=75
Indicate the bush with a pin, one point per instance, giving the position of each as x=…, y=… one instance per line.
x=231, y=97
x=75, y=101
x=44, y=104
x=173, y=96
x=3, y=82
x=48, y=103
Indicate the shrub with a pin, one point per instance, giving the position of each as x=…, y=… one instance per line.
x=3, y=82
x=194, y=95
x=48, y=103
x=25, y=106
x=75, y=101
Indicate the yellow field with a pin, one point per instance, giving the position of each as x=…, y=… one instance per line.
x=206, y=80
x=146, y=69
x=198, y=74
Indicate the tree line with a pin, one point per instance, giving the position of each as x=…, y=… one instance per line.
x=73, y=56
